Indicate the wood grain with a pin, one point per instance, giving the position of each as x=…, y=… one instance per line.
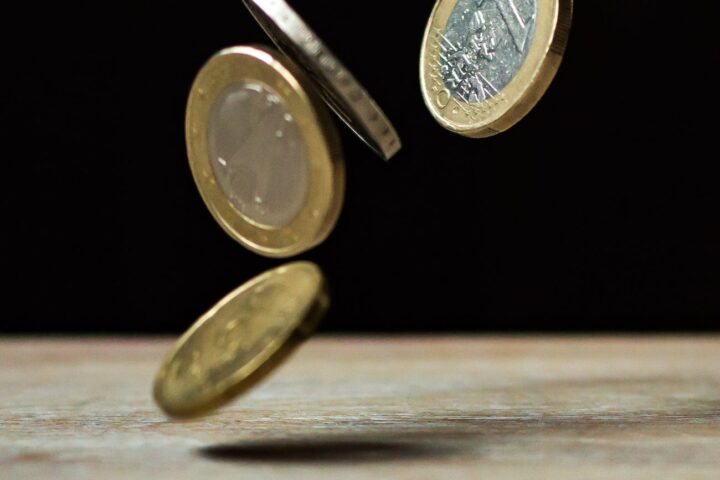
x=353, y=407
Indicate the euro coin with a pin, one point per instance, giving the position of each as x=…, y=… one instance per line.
x=340, y=89
x=239, y=341
x=264, y=152
x=486, y=63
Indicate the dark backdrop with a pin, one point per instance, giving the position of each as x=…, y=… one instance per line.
x=598, y=211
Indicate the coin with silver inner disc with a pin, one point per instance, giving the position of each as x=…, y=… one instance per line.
x=486, y=63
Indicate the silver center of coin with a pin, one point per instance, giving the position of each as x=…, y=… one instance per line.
x=257, y=154
x=484, y=44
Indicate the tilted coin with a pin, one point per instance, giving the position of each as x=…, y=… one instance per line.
x=486, y=63
x=338, y=86
x=264, y=152
x=241, y=339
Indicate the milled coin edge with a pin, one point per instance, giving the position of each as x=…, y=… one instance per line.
x=384, y=139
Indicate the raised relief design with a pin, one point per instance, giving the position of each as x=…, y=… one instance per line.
x=483, y=46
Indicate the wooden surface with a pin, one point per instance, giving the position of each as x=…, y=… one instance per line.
x=351, y=408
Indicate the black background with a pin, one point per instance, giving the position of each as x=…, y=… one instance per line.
x=599, y=211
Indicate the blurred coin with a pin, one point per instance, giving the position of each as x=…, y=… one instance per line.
x=338, y=86
x=241, y=340
x=264, y=152
x=486, y=63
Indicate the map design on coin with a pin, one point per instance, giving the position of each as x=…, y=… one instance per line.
x=484, y=45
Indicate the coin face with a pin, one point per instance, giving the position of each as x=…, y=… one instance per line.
x=486, y=63
x=241, y=339
x=264, y=152
x=252, y=137
x=338, y=86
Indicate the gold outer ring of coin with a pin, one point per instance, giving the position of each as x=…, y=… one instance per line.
x=324, y=199
x=210, y=364
x=501, y=112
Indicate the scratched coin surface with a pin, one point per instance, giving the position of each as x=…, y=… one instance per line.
x=264, y=151
x=486, y=63
x=339, y=88
x=241, y=339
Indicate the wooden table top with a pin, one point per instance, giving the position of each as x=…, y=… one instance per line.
x=364, y=407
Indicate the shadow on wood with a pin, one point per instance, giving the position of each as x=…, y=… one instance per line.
x=330, y=449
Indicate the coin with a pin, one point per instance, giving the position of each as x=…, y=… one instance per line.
x=264, y=152
x=339, y=88
x=241, y=339
x=486, y=63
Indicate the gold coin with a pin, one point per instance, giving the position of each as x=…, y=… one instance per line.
x=264, y=152
x=241, y=340
x=486, y=63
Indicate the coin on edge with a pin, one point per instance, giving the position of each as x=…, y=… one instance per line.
x=239, y=341
x=338, y=86
x=264, y=152
x=486, y=63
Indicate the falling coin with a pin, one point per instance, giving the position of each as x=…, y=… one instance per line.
x=239, y=341
x=264, y=152
x=486, y=63
x=338, y=86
